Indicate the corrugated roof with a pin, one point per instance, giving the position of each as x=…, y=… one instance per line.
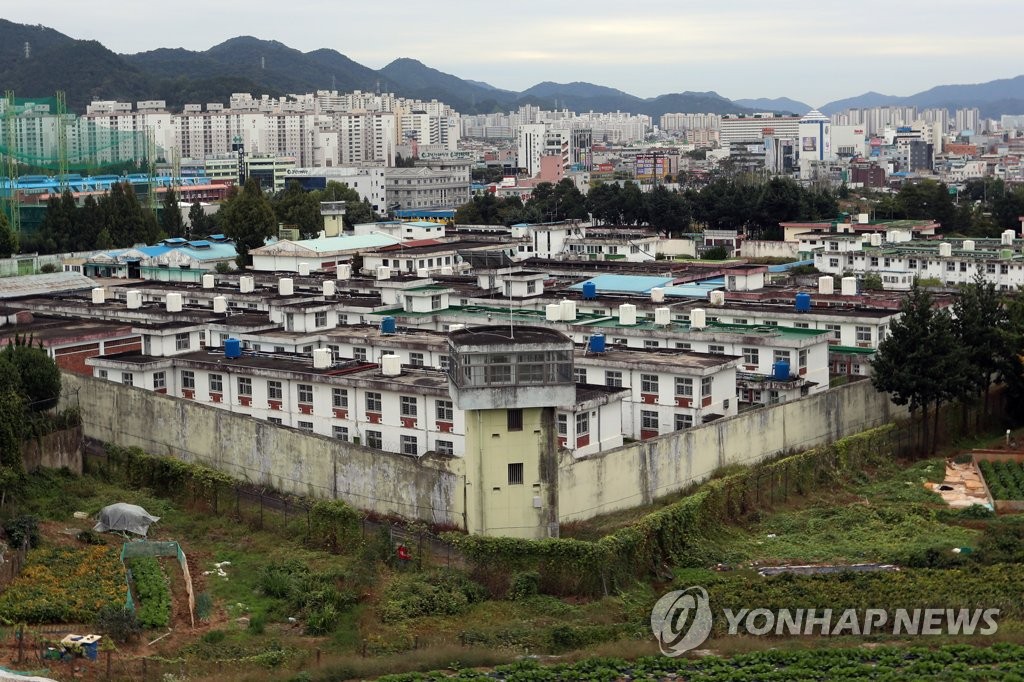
x=35, y=285
x=212, y=252
x=626, y=284
x=332, y=244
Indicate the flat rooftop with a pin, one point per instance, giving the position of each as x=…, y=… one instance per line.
x=57, y=330
x=665, y=359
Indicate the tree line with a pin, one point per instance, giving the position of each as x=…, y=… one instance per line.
x=932, y=357
x=117, y=219
x=725, y=203
x=983, y=208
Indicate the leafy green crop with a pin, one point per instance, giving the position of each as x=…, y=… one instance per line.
x=153, y=591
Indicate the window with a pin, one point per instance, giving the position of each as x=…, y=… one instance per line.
x=435, y=302
x=835, y=331
x=515, y=473
x=683, y=421
x=443, y=362
x=340, y=432
x=582, y=423
x=188, y=380
x=751, y=356
x=359, y=353
x=716, y=349
x=725, y=404
x=612, y=378
x=444, y=410
x=648, y=419
x=531, y=287
x=515, y=420
x=320, y=319
x=833, y=262
x=244, y=386
x=102, y=374
x=874, y=261
x=684, y=387
x=274, y=391
x=802, y=325
x=409, y=446
x=683, y=345
x=275, y=420
x=373, y=440
x=159, y=381
x=705, y=386
x=304, y=426
x=651, y=343
x=416, y=359
x=801, y=358
x=863, y=334
x=408, y=405
x=339, y=397
x=373, y=402
x=562, y=422
x=181, y=341
x=648, y=383
x=444, y=447
x=216, y=383
x=739, y=320
x=579, y=375
x=782, y=356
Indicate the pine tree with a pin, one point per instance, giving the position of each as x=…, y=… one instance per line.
x=170, y=215
x=980, y=324
x=248, y=219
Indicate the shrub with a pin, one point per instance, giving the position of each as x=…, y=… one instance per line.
x=91, y=538
x=204, y=605
x=22, y=530
x=48, y=269
x=441, y=593
x=257, y=623
x=524, y=585
x=214, y=636
x=118, y=623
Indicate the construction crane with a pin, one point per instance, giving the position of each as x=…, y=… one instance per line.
x=62, y=141
x=10, y=156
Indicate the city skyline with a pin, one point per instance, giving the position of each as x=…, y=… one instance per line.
x=670, y=49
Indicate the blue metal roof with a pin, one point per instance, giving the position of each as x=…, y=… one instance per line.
x=788, y=266
x=212, y=252
x=626, y=284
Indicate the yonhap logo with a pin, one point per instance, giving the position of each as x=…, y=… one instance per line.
x=681, y=620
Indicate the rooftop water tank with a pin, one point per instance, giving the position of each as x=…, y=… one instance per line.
x=803, y=302
x=285, y=286
x=945, y=249
x=232, y=348
x=698, y=318
x=657, y=295
x=780, y=370
x=383, y=272
x=627, y=314
x=553, y=312
x=716, y=297
x=1007, y=237
x=174, y=303
x=322, y=358
x=826, y=285
x=662, y=317
x=328, y=288
x=220, y=304
x=388, y=325
x=589, y=291
x=246, y=284
x=596, y=343
x=876, y=239
x=133, y=299
x=344, y=271
x=848, y=286
x=209, y=281
x=303, y=269
x=99, y=295
x=568, y=310
x=968, y=245
x=391, y=365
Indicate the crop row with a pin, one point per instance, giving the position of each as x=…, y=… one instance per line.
x=961, y=662
x=62, y=585
x=1005, y=479
x=153, y=592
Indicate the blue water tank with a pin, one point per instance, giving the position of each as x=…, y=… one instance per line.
x=589, y=291
x=803, y=302
x=388, y=325
x=780, y=370
x=597, y=343
x=232, y=348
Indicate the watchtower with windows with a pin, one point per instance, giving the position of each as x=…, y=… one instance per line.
x=509, y=380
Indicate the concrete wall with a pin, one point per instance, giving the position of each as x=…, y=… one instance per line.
x=54, y=451
x=768, y=249
x=287, y=460
x=638, y=473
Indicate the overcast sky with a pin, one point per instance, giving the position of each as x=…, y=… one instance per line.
x=814, y=51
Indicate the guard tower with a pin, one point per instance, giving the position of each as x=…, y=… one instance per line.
x=509, y=380
x=334, y=217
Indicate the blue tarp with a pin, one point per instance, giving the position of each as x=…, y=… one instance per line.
x=626, y=284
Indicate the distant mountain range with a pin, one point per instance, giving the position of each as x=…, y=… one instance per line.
x=86, y=70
